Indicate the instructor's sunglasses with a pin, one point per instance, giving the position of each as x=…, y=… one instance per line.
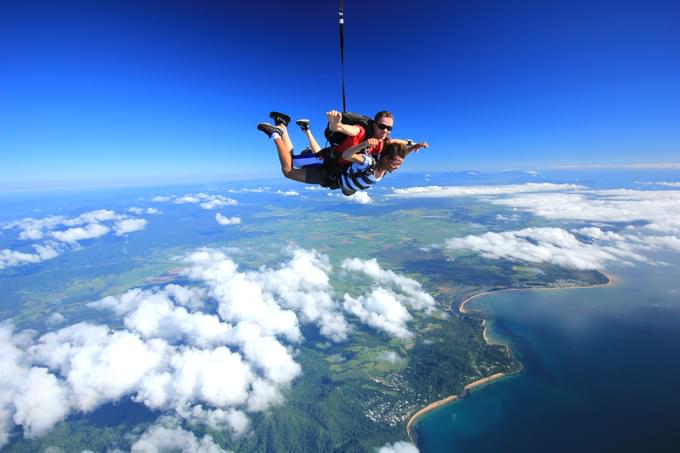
x=383, y=126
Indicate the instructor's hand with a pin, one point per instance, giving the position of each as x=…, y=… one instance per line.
x=334, y=118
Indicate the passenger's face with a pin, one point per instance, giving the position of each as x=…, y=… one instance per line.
x=395, y=163
x=382, y=128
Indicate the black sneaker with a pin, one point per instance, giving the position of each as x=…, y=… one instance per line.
x=269, y=129
x=280, y=118
x=303, y=123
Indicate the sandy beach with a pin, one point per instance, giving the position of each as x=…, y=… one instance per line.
x=611, y=280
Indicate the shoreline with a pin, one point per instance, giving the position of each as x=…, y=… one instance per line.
x=611, y=281
x=479, y=383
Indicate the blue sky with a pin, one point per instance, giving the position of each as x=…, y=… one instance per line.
x=172, y=90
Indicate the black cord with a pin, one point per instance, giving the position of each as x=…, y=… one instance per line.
x=341, y=19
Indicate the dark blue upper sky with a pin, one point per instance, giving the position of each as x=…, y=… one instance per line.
x=122, y=90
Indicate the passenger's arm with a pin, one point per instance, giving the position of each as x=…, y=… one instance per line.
x=415, y=147
x=351, y=152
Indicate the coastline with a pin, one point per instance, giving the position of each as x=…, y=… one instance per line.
x=611, y=280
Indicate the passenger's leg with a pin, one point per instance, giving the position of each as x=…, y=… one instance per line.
x=284, y=148
x=313, y=145
x=286, y=159
x=285, y=137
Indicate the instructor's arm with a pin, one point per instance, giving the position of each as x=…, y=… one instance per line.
x=335, y=124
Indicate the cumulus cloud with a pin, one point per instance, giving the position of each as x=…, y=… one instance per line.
x=360, y=197
x=83, y=227
x=382, y=310
x=187, y=199
x=249, y=190
x=93, y=217
x=20, y=401
x=390, y=357
x=138, y=211
x=223, y=220
x=39, y=411
x=205, y=200
x=218, y=201
x=415, y=296
x=73, y=235
x=466, y=191
x=288, y=193
x=204, y=362
x=161, y=199
x=33, y=229
x=624, y=223
x=544, y=245
x=398, y=447
x=10, y=258
x=167, y=434
x=126, y=226
x=270, y=297
x=55, y=319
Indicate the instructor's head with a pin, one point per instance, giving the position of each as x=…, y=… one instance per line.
x=382, y=124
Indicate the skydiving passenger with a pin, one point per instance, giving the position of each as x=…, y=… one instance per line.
x=358, y=164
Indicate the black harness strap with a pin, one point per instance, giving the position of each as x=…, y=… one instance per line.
x=341, y=18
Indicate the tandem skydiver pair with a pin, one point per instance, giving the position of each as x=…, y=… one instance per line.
x=353, y=161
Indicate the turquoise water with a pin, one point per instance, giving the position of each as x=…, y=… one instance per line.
x=602, y=369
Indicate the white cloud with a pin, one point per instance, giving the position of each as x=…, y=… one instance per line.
x=126, y=226
x=381, y=310
x=179, y=354
x=139, y=211
x=248, y=190
x=73, y=235
x=303, y=285
x=10, y=258
x=360, y=197
x=55, y=318
x=218, y=201
x=206, y=201
x=31, y=397
x=390, y=357
x=466, y=191
x=187, y=199
x=398, y=447
x=85, y=226
x=99, y=215
x=544, y=245
x=40, y=402
x=161, y=199
x=415, y=295
x=98, y=364
x=659, y=183
x=167, y=434
x=32, y=229
x=644, y=220
x=288, y=193
x=158, y=317
x=222, y=220
x=649, y=165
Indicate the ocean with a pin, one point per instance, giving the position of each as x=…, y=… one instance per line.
x=601, y=371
